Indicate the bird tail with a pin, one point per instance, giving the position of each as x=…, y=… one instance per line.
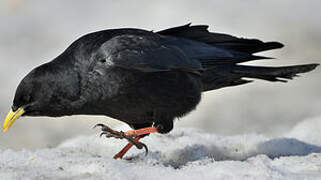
x=233, y=75
x=221, y=63
x=273, y=73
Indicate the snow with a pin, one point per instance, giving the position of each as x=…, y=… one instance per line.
x=182, y=154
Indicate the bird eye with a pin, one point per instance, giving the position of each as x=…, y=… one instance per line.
x=102, y=60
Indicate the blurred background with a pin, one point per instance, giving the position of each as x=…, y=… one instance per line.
x=34, y=32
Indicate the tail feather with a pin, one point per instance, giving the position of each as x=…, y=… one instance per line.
x=272, y=73
x=232, y=75
x=220, y=63
x=209, y=63
x=250, y=45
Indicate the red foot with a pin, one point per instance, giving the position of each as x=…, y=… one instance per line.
x=135, y=133
x=125, y=149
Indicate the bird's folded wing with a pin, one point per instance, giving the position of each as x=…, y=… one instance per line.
x=146, y=54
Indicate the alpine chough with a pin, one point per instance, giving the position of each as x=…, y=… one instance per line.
x=143, y=78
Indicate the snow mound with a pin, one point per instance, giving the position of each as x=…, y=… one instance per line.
x=182, y=154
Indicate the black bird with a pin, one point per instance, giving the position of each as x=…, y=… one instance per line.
x=143, y=78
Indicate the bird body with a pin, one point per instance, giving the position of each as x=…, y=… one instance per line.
x=141, y=77
x=102, y=74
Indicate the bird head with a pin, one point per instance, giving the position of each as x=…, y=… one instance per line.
x=30, y=98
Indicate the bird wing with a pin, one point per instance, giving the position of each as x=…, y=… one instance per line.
x=146, y=53
x=213, y=49
x=200, y=33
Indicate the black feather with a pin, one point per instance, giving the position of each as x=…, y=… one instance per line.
x=141, y=77
x=201, y=33
x=273, y=73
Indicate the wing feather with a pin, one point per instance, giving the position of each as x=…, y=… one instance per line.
x=146, y=54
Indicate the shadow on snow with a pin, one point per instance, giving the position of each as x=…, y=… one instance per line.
x=273, y=148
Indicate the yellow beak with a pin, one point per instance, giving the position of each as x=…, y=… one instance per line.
x=12, y=117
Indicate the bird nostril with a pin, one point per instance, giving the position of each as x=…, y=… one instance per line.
x=14, y=108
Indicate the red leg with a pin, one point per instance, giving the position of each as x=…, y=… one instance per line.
x=135, y=133
x=125, y=149
x=141, y=131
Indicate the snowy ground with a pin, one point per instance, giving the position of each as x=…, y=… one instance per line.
x=183, y=154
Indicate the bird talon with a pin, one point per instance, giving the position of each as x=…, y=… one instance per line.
x=137, y=144
x=98, y=125
x=107, y=131
x=131, y=136
x=103, y=133
x=109, y=135
x=146, y=149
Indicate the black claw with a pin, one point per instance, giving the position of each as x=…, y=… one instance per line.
x=141, y=145
x=103, y=133
x=146, y=150
x=107, y=131
x=98, y=125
